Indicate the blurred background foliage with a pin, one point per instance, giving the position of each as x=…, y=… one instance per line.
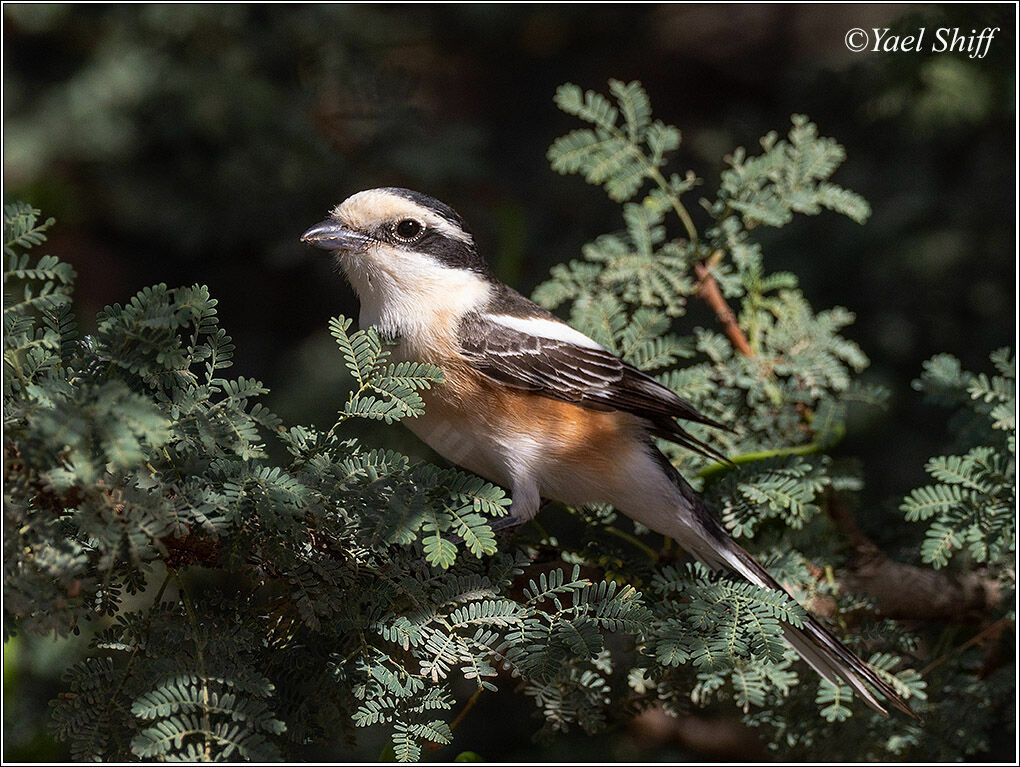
x=194, y=143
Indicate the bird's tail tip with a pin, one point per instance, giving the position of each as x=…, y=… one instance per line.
x=836, y=663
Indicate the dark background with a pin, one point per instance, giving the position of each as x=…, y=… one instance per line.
x=185, y=144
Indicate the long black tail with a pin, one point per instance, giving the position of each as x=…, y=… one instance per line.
x=702, y=535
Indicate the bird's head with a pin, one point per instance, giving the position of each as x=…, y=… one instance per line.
x=410, y=258
x=397, y=230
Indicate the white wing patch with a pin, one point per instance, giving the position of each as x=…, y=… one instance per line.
x=544, y=328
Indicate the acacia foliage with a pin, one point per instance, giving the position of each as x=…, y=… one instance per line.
x=243, y=607
x=971, y=505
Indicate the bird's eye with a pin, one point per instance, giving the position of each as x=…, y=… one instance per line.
x=408, y=229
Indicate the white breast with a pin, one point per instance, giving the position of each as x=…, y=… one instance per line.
x=412, y=297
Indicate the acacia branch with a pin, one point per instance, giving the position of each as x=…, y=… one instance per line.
x=708, y=289
x=903, y=591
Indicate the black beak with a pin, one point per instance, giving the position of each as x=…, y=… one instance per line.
x=330, y=235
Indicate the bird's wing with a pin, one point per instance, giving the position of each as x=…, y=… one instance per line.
x=548, y=357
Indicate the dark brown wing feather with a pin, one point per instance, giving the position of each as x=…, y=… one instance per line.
x=592, y=378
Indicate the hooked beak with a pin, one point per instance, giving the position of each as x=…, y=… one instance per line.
x=330, y=235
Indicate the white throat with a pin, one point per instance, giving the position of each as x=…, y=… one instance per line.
x=412, y=298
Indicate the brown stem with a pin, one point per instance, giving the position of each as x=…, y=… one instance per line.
x=432, y=746
x=467, y=707
x=709, y=290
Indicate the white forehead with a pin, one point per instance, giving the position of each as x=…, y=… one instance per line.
x=368, y=210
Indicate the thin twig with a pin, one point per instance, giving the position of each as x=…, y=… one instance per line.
x=467, y=707
x=652, y=554
x=708, y=289
x=810, y=448
x=432, y=745
x=200, y=657
x=678, y=206
x=991, y=628
x=137, y=648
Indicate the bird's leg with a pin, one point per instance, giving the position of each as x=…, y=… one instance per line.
x=505, y=527
x=507, y=523
x=524, y=505
x=523, y=508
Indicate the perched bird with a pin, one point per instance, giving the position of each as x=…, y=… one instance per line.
x=534, y=405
